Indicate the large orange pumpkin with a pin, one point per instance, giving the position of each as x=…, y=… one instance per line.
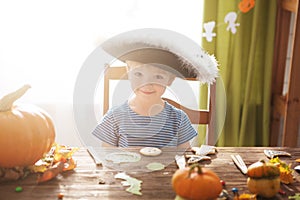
x=196, y=183
x=26, y=132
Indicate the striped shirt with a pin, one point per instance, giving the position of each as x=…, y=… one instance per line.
x=122, y=127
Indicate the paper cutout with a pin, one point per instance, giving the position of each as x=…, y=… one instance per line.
x=246, y=5
x=230, y=18
x=209, y=27
x=133, y=183
x=123, y=157
x=155, y=166
x=296, y=196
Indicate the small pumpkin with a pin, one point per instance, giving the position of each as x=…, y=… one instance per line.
x=26, y=132
x=263, y=179
x=196, y=183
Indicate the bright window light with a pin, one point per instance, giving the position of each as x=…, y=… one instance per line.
x=45, y=43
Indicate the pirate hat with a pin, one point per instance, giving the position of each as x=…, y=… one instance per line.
x=166, y=48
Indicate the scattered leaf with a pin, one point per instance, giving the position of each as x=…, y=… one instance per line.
x=57, y=160
x=51, y=172
x=286, y=173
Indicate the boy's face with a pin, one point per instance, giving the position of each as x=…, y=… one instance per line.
x=144, y=76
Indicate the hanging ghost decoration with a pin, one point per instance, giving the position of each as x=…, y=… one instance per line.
x=230, y=19
x=209, y=27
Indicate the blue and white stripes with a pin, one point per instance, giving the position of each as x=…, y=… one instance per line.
x=123, y=127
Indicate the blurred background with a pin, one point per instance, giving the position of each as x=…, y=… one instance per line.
x=45, y=43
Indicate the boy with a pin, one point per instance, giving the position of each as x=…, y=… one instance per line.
x=146, y=119
x=154, y=58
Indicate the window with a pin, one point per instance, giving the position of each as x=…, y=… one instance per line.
x=45, y=43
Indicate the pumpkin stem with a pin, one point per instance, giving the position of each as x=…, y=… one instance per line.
x=192, y=168
x=262, y=161
x=7, y=101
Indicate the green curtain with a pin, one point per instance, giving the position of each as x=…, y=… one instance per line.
x=245, y=63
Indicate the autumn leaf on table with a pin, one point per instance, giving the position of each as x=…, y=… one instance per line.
x=51, y=172
x=56, y=154
x=63, y=152
x=57, y=160
x=286, y=175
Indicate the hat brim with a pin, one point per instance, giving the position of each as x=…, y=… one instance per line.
x=164, y=47
x=162, y=59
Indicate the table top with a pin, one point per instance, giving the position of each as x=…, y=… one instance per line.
x=89, y=181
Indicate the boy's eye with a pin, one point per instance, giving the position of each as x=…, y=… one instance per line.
x=159, y=77
x=138, y=74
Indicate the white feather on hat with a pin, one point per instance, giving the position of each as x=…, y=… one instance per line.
x=164, y=47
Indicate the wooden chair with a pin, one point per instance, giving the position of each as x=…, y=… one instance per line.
x=197, y=117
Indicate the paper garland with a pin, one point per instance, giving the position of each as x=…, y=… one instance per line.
x=230, y=19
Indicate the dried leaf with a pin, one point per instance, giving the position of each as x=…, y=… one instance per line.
x=286, y=175
x=63, y=152
x=58, y=159
x=69, y=165
x=51, y=172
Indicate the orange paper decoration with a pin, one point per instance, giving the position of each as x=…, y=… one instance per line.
x=246, y=5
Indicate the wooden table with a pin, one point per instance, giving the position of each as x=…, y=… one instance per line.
x=83, y=182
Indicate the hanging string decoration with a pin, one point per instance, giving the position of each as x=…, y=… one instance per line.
x=229, y=19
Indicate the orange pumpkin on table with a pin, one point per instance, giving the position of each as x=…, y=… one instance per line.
x=26, y=132
x=196, y=183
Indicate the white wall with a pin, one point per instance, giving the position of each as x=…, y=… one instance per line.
x=45, y=43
